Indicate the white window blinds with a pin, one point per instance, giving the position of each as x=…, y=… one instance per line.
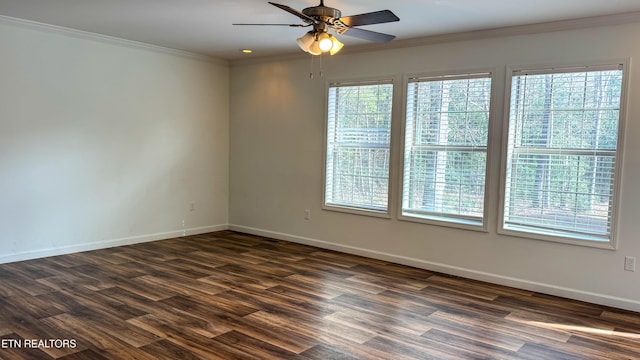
x=562, y=152
x=445, y=153
x=358, y=145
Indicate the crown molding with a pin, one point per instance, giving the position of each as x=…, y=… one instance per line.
x=528, y=29
x=516, y=30
x=86, y=35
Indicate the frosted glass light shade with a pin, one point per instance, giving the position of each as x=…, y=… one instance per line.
x=337, y=45
x=306, y=41
x=324, y=42
x=316, y=43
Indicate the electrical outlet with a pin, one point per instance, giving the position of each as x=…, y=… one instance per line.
x=629, y=263
x=307, y=214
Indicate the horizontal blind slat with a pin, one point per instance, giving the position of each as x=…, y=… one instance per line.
x=562, y=150
x=445, y=147
x=359, y=133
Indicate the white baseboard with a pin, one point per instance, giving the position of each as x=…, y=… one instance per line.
x=28, y=255
x=596, y=298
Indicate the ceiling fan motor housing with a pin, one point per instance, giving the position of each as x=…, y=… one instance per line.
x=323, y=13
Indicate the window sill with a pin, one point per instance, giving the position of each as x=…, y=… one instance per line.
x=383, y=214
x=559, y=237
x=464, y=224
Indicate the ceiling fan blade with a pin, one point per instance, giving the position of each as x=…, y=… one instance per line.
x=369, y=35
x=290, y=25
x=376, y=17
x=294, y=12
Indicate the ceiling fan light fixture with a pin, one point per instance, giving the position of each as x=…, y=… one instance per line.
x=314, y=49
x=316, y=42
x=324, y=42
x=336, y=46
x=306, y=41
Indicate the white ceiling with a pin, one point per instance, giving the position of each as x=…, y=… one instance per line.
x=204, y=26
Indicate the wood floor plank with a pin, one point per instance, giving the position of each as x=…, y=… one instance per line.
x=85, y=336
x=177, y=316
x=67, y=281
x=323, y=351
x=27, y=269
x=392, y=270
x=84, y=355
x=603, y=346
x=204, y=347
x=388, y=283
x=323, y=330
x=621, y=318
x=493, y=330
x=37, y=307
x=167, y=350
x=269, y=333
x=251, y=347
x=445, y=301
x=481, y=349
x=185, y=263
x=99, y=257
x=110, y=325
x=178, y=284
x=411, y=350
x=551, y=305
x=336, y=288
x=19, y=284
x=544, y=352
x=345, y=260
x=310, y=267
x=229, y=295
x=91, y=276
x=381, y=325
x=95, y=300
x=16, y=317
x=350, y=350
x=465, y=289
x=146, y=289
x=63, y=261
x=166, y=324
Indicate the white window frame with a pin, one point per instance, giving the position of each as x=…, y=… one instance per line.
x=380, y=213
x=560, y=236
x=444, y=219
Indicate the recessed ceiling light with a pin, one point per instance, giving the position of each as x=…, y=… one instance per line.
x=247, y=51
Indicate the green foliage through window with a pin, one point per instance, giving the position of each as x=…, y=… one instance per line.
x=445, y=156
x=358, y=141
x=562, y=151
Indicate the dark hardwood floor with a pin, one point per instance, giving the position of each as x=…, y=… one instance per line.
x=228, y=295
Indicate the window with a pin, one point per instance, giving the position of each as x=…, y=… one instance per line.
x=562, y=153
x=358, y=146
x=445, y=153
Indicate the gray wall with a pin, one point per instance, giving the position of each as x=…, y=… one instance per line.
x=105, y=143
x=277, y=122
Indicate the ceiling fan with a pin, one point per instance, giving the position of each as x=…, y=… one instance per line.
x=324, y=18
